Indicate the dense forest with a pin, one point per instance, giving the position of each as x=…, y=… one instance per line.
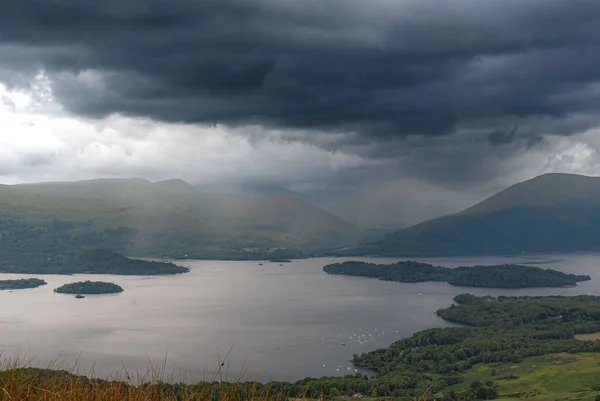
x=91, y=262
x=499, y=276
x=89, y=287
x=20, y=284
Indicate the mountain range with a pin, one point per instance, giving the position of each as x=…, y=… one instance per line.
x=172, y=218
x=549, y=213
x=168, y=218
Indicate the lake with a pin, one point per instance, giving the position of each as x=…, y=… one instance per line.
x=276, y=322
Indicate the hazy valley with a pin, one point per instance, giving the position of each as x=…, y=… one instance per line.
x=298, y=200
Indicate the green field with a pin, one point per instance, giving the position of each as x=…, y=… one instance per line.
x=542, y=378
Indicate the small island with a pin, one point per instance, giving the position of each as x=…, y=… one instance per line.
x=498, y=276
x=21, y=284
x=89, y=287
x=79, y=296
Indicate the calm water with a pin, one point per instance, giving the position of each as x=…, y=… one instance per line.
x=281, y=322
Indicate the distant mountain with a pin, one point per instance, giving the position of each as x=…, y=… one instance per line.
x=550, y=213
x=168, y=218
x=248, y=190
x=397, y=204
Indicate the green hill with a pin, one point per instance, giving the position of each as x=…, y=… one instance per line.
x=169, y=218
x=550, y=213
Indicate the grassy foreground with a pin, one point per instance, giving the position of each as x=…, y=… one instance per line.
x=560, y=376
x=21, y=382
x=18, y=382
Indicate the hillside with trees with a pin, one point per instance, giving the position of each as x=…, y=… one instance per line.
x=503, y=330
x=170, y=219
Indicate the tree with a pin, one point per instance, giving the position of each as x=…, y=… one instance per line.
x=476, y=384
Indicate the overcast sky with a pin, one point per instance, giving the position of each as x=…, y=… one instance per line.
x=444, y=98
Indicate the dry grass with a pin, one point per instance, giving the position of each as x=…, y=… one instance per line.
x=19, y=381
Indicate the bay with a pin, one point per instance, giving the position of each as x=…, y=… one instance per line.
x=271, y=321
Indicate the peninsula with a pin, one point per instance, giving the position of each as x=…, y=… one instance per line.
x=87, y=262
x=21, y=284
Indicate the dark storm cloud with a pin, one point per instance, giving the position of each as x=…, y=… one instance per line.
x=377, y=68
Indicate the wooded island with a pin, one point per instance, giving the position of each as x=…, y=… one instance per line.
x=498, y=276
x=89, y=287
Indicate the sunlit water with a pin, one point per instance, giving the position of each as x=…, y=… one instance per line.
x=279, y=322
